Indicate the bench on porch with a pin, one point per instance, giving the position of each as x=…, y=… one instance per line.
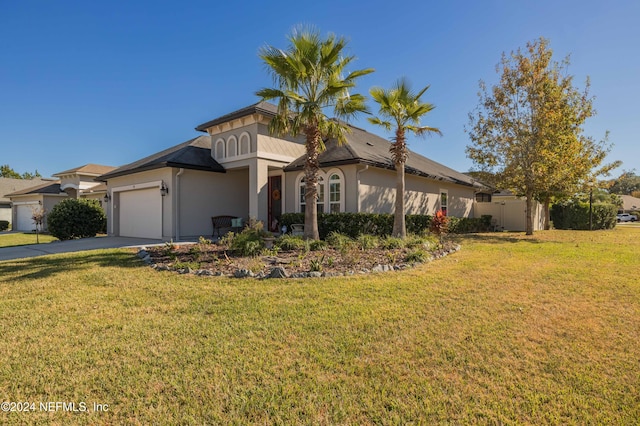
x=226, y=223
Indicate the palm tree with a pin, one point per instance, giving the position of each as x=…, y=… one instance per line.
x=401, y=109
x=309, y=80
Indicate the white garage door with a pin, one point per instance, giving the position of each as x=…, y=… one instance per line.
x=141, y=213
x=24, y=221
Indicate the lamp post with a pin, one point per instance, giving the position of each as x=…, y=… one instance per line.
x=590, y=208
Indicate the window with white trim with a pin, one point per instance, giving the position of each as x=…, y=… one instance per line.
x=320, y=197
x=444, y=201
x=335, y=193
x=330, y=192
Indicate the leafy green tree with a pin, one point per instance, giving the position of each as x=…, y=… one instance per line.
x=626, y=184
x=8, y=172
x=528, y=129
x=309, y=80
x=400, y=110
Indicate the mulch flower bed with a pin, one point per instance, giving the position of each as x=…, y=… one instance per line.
x=218, y=260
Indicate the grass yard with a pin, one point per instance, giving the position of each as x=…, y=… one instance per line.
x=22, y=239
x=511, y=329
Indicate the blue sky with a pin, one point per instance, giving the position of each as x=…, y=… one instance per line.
x=111, y=82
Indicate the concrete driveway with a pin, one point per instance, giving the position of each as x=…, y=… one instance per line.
x=33, y=250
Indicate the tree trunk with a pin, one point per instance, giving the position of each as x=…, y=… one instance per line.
x=311, y=168
x=398, y=151
x=547, y=203
x=399, y=228
x=529, y=213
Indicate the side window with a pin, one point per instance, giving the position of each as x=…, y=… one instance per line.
x=444, y=201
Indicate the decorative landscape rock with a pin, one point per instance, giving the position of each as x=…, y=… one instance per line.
x=215, y=261
x=278, y=272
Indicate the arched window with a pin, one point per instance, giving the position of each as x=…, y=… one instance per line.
x=220, y=149
x=335, y=193
x=245, y=143
x=232, y=146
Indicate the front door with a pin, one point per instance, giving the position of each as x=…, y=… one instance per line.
x=275, y=203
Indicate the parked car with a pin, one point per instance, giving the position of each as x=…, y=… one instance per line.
x=626, y=217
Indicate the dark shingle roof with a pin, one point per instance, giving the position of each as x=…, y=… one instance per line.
x=259, y=108
x=194, y=154
x=363, y=147
x=45, y=188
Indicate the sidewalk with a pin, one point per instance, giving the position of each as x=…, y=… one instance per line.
x=33, y=250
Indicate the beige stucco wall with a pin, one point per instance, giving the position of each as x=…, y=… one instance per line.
x=422, y=195
x=509, y=214
x=164, y=174
x=205, y=194
x=372, y=190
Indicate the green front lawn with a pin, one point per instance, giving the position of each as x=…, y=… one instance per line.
x=511, y=329
x=21, y=239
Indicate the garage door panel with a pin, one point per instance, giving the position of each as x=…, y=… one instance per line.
x=141, y=213
x=24, y=220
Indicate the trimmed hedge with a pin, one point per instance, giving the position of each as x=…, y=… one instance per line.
x=76, y=218
x=354, y=224
x=4, y=225
x=575, y=215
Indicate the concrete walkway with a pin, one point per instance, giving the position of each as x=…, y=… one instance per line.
x=33, y=250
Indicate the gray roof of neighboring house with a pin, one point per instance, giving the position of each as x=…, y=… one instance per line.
x=259, y=108
x=366, y=148
x=194, y=154
x=87, y=169
x=44, y=188
x=10, y=185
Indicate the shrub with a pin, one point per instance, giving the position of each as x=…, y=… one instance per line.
x=318, y=245
x=340, y=241
x=389, y=243
x=76, y=218
x=575, y=215
x=4, y=225
x=249, y=242
x=354, y=224
x=439, y=224
x=367, y=242
x=289, y=242
x=416, y=256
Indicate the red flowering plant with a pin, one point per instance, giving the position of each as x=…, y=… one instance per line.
x=439, y=225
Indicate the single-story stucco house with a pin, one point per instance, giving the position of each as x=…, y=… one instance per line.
x=11, y=185
x=75, y=183
x=239, y=169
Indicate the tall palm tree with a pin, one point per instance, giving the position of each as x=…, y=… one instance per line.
x=309, y=80
x=401, y=110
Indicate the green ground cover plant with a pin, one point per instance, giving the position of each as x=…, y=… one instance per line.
x=511, y=329
x=21, y=239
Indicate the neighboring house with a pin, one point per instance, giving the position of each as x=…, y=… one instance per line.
x=9, y=185
x=508, y=211
x=74, y=183
x=629, y=204
x=240, y=169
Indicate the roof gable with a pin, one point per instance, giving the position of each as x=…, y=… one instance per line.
x=87, y=169
x=194, y=154
x=44, y=188
x=265, y=108
x=363, y=147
